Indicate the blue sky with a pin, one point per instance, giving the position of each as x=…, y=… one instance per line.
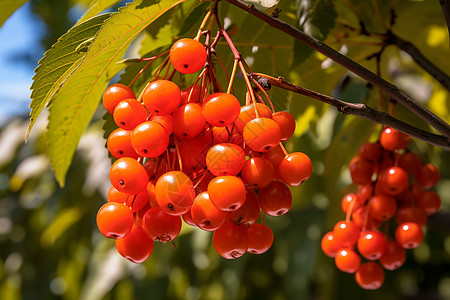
x=20, y=36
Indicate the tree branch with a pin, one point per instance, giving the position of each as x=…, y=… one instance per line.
x=446, y=9
x=362, y=110
x=350, y=65
x=420, y=59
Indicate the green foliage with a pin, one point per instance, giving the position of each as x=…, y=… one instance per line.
x=8, y=8
x=97, y=7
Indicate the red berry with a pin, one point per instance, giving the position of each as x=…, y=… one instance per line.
x=225, y=159
x=428, y=201
x=260, y=238
x=329, y=245
x=372, y=244
x=205, y=214
x=247, y=113
x=188, y=121
x=409, y=235
x=370, y=276
x=286, y=122
x=295, y=168
x=114, y=220
x=114, y=94
x=221, y=109
x=231, y=240
x=361, y=171
x=227, y=192
x=248, y=213
x=129, y=113
x=347, y=201
x=150, y=139
x=128, y=176
x=393, y=181
x=161, y=97
x=257, y=172
x=165, y=121
x=174, y=193
x=262, y=134
x=370, y=152
x=136, y=246
x=188, y=56
x=411, y=214
x=429, y=175
x=160, y=226
x=135, y=202
x=346, y=233
x=195, y=96
x=347, y=260
x=392, y=139
x=275, y=199
x=394, y=257
x=382, y=207
x=119, y=144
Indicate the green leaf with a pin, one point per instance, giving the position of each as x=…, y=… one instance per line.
x=8, y=8
x=264, y=5
x=62, y=222
x=58, y=63
x=316, y=18
x=96, y=7
x=73, y=106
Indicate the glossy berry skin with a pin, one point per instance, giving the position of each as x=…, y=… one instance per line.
x=165, y=121
x=361, y=171
x=188, y=121
x=160, y=226
x=225, y=159
x=348, y=199
x=429, y=176
x=410, y=162
x=286, y=122
x=394, y=257
x=149, y=139
x=161, y=97
x=391, y=139
x=409, y=235
x=193, y=153
x=247, y=113
x=347, y=260
x=275, y=199
x=188, y=56
x=394, y=180
x=174, y=192
x=429, y=202
x=119, y=144
x=370, y=276
x=227, y=193
x=205, y=214
x=329, y=245
x=257, y=172
x=129, y=113
x=231, y=240
x=382, y=207
x=114, y=220
x=249, y=212
x=262, y=134
x=128, y=176
x=346, y=233
x=136, y=246
x=221, y=109
x=275, y=156
x=260, y=238
x=411, y=214
x=114, y=94
x=370, y=152
x=295, y=168
x=372, y=244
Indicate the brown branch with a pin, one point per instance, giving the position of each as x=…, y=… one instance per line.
x=446, y=9
x=363, y=111
x=390, y=89
x=420, y=59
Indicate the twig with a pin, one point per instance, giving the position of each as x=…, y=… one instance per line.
x=446, y=9
x=364, y=111
x=420, y=59
x=390, y=89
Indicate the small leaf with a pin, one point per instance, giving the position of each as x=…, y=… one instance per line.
x=58, y=63
x=96, y=7
x=72, y=107
x=316, y=18
x=8, y=8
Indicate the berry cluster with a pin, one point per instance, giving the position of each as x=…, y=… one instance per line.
x=393, y=184
x=197, y=157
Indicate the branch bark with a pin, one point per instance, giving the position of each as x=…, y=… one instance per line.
x=390, y=89
x=420, y=59
x=363, y=111
x=446, y=9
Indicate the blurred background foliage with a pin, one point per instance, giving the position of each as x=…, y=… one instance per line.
x=50, y=247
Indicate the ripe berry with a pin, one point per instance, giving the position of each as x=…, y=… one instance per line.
x=195, y=96
x=257, y=172
x=391, y=139
x=114, y=220
x=221, y=109
x=247, y=113
x=372, y=244
x=370, y=152
x=429, y=175
x=260, y=238
x=165, y=121
x=394, y=180
x=161, y=97
x=119, y=144
x=231, y=240
x=428, y=201
x=225, y=159
x=129, y=113
x=235, y=194
x=411, y=214
x=382, y=207
x=193, y=153
x=135, y=202
x=286, y=122
x=410, y=162
x=150, y=139
x=361, y=171
x=329, y=245
x=370, y=276
x=128, y=176
x=248, y=213
x=136, y=246
x=347, y=260
x=114, y=94
x=188, y=121
x=394, y=257
x=205, y=214
x=174, y=192
x=262, y=134
x=346, y=233
x=295, y=168
x=160, y=226
x=275, y=199
x=347, y=201
x=409, y=235
x=188, y=56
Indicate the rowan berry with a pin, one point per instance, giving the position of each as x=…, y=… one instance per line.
x=260, y=238
x=231, y=240
x=221, y=109
x=347, y=260
x=160, y=226
x=370, y=276
x=295, y=168
x=114, y=94
x=161, y=97
x=174, y=192
x=188, y=55
x=114, y=220
x=136, y=246
x=128, y=176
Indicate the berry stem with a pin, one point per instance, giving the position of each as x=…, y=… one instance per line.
x=233, y=73
x=202, y=25
x=177, y=148
x=284, y=149
x=350, y=210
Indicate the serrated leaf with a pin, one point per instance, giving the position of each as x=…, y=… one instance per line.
x=76, y=101
x=316, y=18
x=58, y=63
x=97, y=7
x=8, y=8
